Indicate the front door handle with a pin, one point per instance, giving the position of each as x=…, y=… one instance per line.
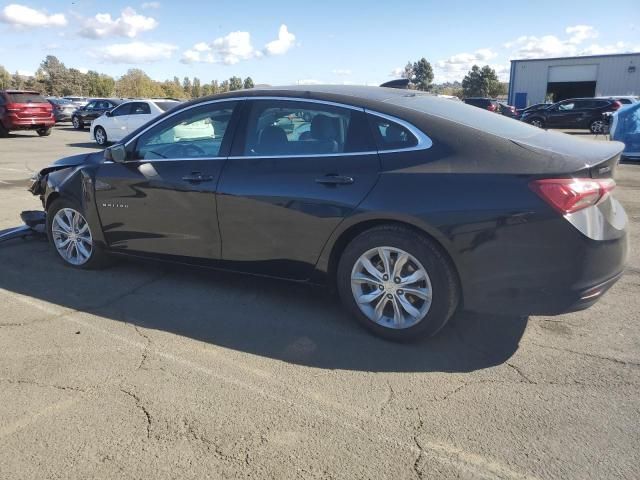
x=333, y=179
x=197, y=177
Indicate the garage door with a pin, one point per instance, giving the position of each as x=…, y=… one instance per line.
x=573, y=73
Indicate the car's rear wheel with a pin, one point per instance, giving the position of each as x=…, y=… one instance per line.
x=4, y=133
x=397, y=283
x=100, y=135
x=536, y=122
x=77, y=123
x=71, y=236
x=44, y=131
x=597, y=126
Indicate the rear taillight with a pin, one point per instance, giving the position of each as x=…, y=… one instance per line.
x=491, y=107
x=616, y=105
x=568, y=195
x=11, y=107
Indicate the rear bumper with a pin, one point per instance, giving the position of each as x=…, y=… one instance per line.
x=13, y=123
x=550, y=269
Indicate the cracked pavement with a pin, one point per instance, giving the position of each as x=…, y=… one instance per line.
x=153, y=371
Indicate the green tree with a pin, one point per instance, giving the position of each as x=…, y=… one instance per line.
x=99, y=84
x=5, y=78
x=408, y=71
x=224, y=86
x=55, y=75
x=422, y=74
x=17, y=81
x=186, y=87
x=215, y=87
x=482, y=82
x=171, y=89
x=136, y=83
x=473, y=84
x=248, y=83
x=196, y=89
x=235, y=83
x=206, y=90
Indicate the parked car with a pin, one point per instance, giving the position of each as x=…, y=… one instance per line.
x=114, y=125
x=25, y=110
x=577, y=113
x=624, y=99
x=484, y=103
x=77, y=101
x=412, y=205
x=62, y=109
x=508, y=110
x=92, y=110
x=533, y=108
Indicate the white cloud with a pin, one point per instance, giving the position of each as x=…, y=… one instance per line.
x=595, y=49
x=25, y=73
x=148, y=5
x=341, y=71
x=457, y=66
x=397, y=72
x=580, y=33
x=309, y=81
x=282, y=44
x=235, y=47
x=134, y=52
x=82, y=69
x=21, y=16
x=129, y=24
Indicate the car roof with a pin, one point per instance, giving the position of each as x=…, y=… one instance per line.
x=21, y=91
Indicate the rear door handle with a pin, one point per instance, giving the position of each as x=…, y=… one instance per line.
x=197, y=177
x=333, y=179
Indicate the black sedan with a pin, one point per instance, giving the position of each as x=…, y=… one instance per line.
x=412, y=205
x=83, y=116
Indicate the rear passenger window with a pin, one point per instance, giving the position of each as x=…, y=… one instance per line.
x=140, y=108
x=390, y=135
x=293, y=128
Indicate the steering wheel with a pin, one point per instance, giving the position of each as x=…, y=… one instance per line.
x=182, y=150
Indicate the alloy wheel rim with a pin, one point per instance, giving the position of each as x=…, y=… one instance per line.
x=597, y=126
x=72, y=236
x=537, y=123
x=99, y=136
x=76, y=122
x=391, y=287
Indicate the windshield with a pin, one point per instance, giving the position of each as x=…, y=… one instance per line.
x=25, y=97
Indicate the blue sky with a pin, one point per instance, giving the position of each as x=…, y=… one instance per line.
x=346, y=41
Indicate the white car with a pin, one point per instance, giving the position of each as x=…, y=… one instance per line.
x=116, y=124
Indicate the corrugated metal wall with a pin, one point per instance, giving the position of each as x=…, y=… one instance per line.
x=614, y=77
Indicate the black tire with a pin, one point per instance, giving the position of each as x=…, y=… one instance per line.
x=77, y=123
x=444, y=283
x=44, y=131
x=98, y=258
x=104, y=141
x=4, y=133
x=536, y=122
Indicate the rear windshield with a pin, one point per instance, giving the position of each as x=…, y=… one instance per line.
x=473, y=117
x=25, y=97
x=164, y=106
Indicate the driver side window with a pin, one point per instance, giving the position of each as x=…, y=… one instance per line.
x=194, y=133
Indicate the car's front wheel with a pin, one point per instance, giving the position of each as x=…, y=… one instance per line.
x=100, y=135
x=77, y=123
x=71, y=236
x=397, y=283
x=44, y=131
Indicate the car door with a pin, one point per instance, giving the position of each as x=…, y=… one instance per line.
x=140, y=114
x=116, y=122
x=162, y=199
x=563, y=115
x=287, y=187
x=85, y=112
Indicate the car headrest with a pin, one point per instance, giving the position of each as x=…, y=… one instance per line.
x=272, y=139
x=323, y=128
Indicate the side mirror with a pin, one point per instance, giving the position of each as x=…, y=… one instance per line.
x=108, y=113
x=116, y=153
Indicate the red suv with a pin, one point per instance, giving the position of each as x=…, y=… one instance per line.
x=25, y=110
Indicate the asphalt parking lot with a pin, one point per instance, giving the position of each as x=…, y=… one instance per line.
x=150, y=371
